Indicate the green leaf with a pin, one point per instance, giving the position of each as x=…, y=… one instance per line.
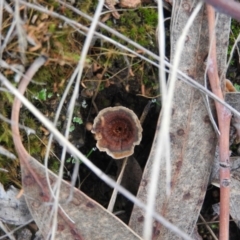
x=42, y=95
x=72, y=128
x=77, y=120
x=237, y=87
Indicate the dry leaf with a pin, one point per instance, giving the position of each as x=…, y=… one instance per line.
x=92, y=221
x=13, y=210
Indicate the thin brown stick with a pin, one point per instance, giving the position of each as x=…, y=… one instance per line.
x=224, y=118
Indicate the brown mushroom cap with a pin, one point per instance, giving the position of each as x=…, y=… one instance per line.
x=117, y=130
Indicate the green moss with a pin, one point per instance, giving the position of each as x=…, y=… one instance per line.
x=74, y=56
x=52, y=3
x=34, y=147
x=30, y=122
x=68, y=13
x=237, y=87
x=54, y=166
x=4, y=178
x=52, y=28
x=12, y=166
x=5, y=134
x=86, y=6
x=8, y=96
x=138, y=24
x=109, y=23
x=43, y=76
x=149, y=16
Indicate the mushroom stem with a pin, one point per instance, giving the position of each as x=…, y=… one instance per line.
x=119, y=181
x=125, y=161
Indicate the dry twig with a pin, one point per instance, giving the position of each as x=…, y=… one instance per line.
x=224, y=118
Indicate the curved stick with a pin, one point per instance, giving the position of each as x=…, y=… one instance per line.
x=20, y=149
x=24, y=156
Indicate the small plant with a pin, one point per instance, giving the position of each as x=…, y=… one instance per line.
x=72, y=128
x=77, y=120
x=90, y=152
x=42, y=95
x=73, y=160
x=237, y=87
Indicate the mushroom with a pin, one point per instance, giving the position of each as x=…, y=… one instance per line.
x=117, y=131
